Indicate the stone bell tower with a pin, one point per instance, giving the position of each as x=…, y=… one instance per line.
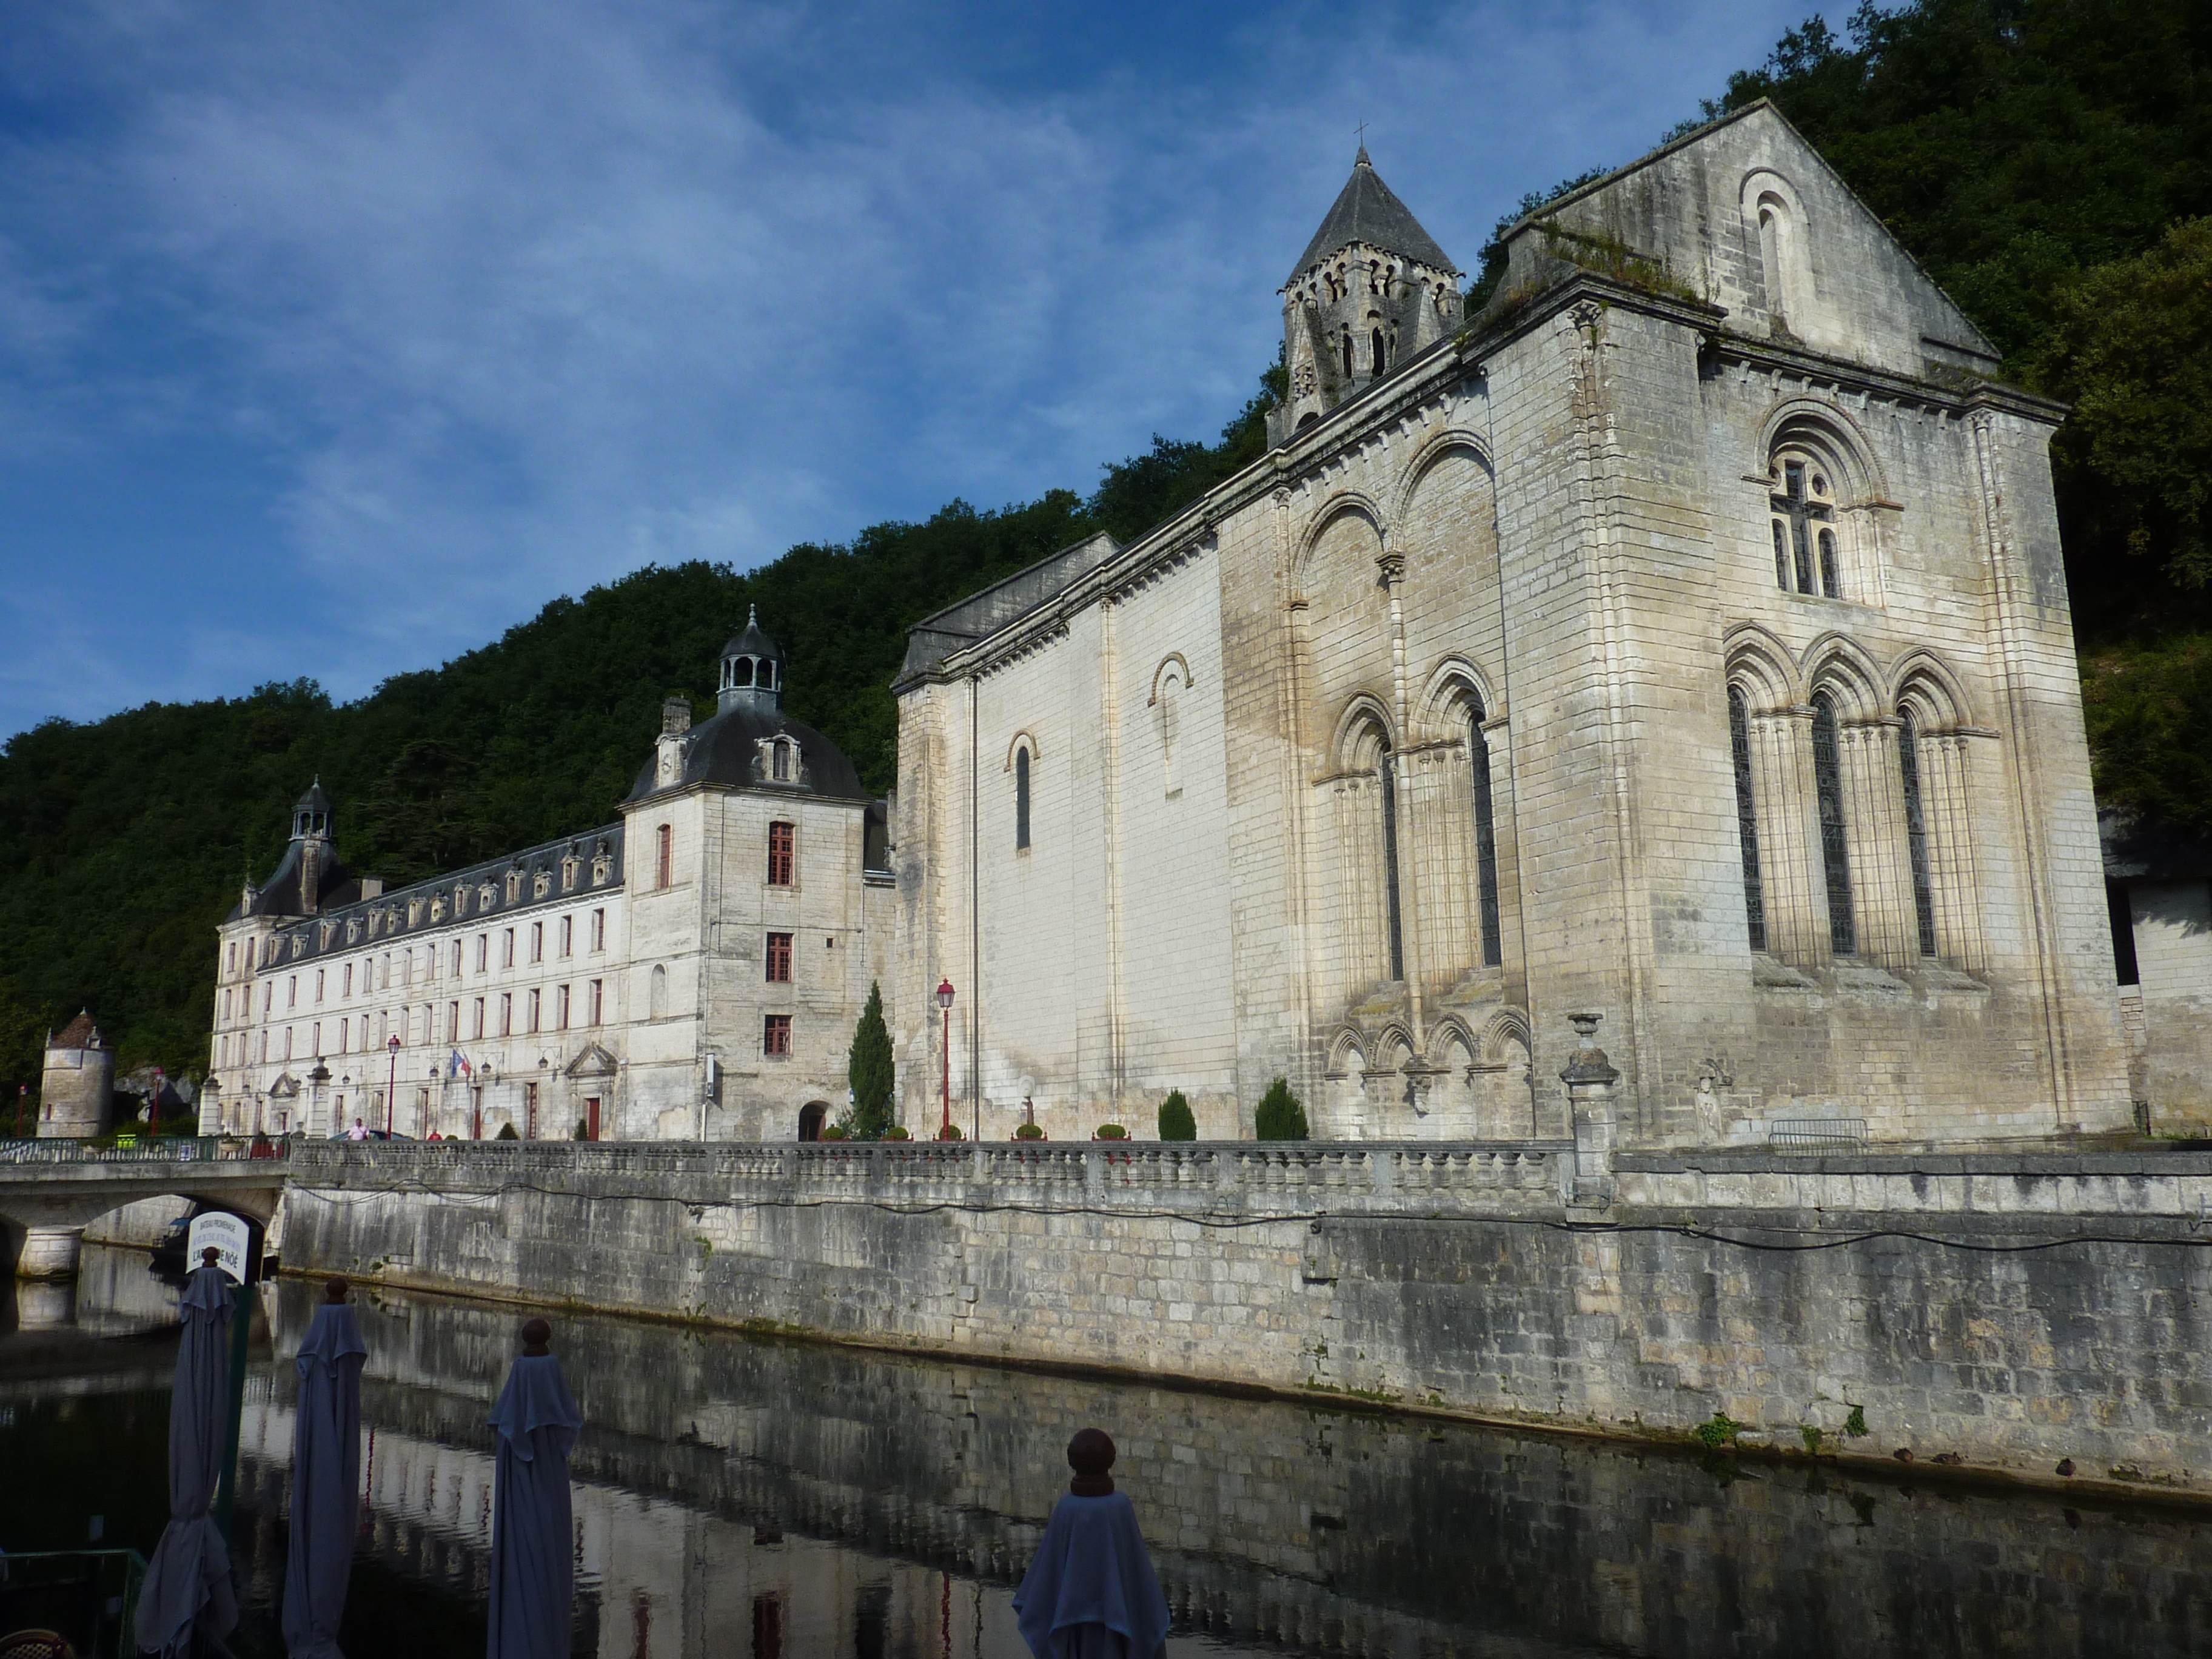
x=1372, y=290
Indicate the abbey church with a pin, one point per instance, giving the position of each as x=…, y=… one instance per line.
x=1682, y=641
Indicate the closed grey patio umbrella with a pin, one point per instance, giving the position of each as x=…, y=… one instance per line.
x=533, y=1560
x=188, y=1579
x=325, y=1479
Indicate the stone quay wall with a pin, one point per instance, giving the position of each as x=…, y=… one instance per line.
x=2015, y=1308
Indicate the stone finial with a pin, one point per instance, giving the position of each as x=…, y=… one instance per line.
x=1588, y=1064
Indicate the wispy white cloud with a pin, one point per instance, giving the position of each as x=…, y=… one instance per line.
x=487, y=301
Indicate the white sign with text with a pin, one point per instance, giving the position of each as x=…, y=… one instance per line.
x=226, y=1235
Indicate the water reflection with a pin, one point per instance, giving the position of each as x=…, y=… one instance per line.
x=748, y=1497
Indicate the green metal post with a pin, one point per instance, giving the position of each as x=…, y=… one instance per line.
x=241, y=1322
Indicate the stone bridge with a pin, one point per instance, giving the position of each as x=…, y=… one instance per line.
x=50, y=1189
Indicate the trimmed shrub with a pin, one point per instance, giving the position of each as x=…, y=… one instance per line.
x=1176, y=1121
x=894, y=1133
x=1280, y=1117
x=507, y=1133
x=950, y=1131
x=1028, y=1132
x=1111, y=1132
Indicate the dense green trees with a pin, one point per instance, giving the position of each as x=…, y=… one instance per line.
x=1176, y=1123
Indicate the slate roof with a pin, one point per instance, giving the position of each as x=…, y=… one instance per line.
x=1368, y=210
x=726, y=749
x=754, y=642
x=285, y=893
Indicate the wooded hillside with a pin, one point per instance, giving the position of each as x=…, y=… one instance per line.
x=2047, y=160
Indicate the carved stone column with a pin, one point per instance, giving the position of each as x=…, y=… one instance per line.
x=1789, y=851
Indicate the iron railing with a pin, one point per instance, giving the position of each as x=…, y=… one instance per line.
x=90, y=1596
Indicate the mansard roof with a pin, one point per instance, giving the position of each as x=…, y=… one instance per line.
x=285, y=893
x=727, y=750
x=459, y=898
x=1368, y=210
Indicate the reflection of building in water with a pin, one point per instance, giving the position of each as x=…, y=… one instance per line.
x=656, y=1578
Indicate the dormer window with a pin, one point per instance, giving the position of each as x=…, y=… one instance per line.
x=783, y=760
x=541, y=884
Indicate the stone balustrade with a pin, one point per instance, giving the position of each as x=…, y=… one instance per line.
x=1421, y=1177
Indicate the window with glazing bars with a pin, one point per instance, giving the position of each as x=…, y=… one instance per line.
x=779, y=958
x=1835, y=856
x=1747, y=820
x=780, y=860
x=775, y=1033
x=1916, y=832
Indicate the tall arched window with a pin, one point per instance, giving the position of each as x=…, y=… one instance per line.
x=1916, y=832
x=1021, y=799
x=1747, y=820
x=1486, y=835
x=1835, y=859
x=656, y=993
x=1385, y=774
x=1347, y=351
x=1376, y=337
x=665, y=866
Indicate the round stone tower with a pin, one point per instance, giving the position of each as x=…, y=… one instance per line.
x=79, y=1083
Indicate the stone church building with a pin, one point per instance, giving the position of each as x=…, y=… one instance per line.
x=692, y=971
x=1683, y=640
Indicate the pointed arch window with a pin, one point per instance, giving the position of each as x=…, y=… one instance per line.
x=1835, y=858
x=1375, y=339
x=1916, y=832
x=1747, y=820
x=1486, y=835
x=1021, y=799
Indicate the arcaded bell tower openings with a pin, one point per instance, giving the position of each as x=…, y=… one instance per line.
x=1372, y=290
x=752, y=670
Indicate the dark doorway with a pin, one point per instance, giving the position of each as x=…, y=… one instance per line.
x=811, y=1119
x=591, y=1117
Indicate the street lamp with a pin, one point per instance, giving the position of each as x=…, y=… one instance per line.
x=945, y=1001
x=392, y=1084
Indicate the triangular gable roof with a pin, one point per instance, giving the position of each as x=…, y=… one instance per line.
x=1757, y=107
x=1368, y=210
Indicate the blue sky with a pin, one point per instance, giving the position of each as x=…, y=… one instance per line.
x=335, y=339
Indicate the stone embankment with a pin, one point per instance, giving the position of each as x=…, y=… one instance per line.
x=2013, y=1310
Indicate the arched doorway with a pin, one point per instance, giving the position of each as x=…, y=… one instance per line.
x=811, y=1119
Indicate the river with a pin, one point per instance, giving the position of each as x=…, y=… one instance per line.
x=738, y=1495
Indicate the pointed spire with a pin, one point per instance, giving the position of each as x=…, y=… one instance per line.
x=1368, y=210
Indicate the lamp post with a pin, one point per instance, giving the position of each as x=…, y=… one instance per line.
x=945, y=1001
x=392, y=1084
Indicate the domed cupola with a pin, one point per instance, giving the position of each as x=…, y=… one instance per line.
x=311, y=814
x=752, y=670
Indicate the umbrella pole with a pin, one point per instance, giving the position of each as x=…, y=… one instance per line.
x=241, y=1322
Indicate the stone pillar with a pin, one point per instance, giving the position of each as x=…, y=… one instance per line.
x=1590, y=1080
x=49, y=1253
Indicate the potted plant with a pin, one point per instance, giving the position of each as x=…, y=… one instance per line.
x=1029, y=1132
x=835, y=1131
x=894, y=1133
x=950, y=1131
x=1110, y=1132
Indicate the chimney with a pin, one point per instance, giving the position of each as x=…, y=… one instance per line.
x=675, y=716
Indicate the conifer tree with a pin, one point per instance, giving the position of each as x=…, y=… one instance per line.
x=1280, y=1117
x=870, y=1070
x=1176, y=1121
